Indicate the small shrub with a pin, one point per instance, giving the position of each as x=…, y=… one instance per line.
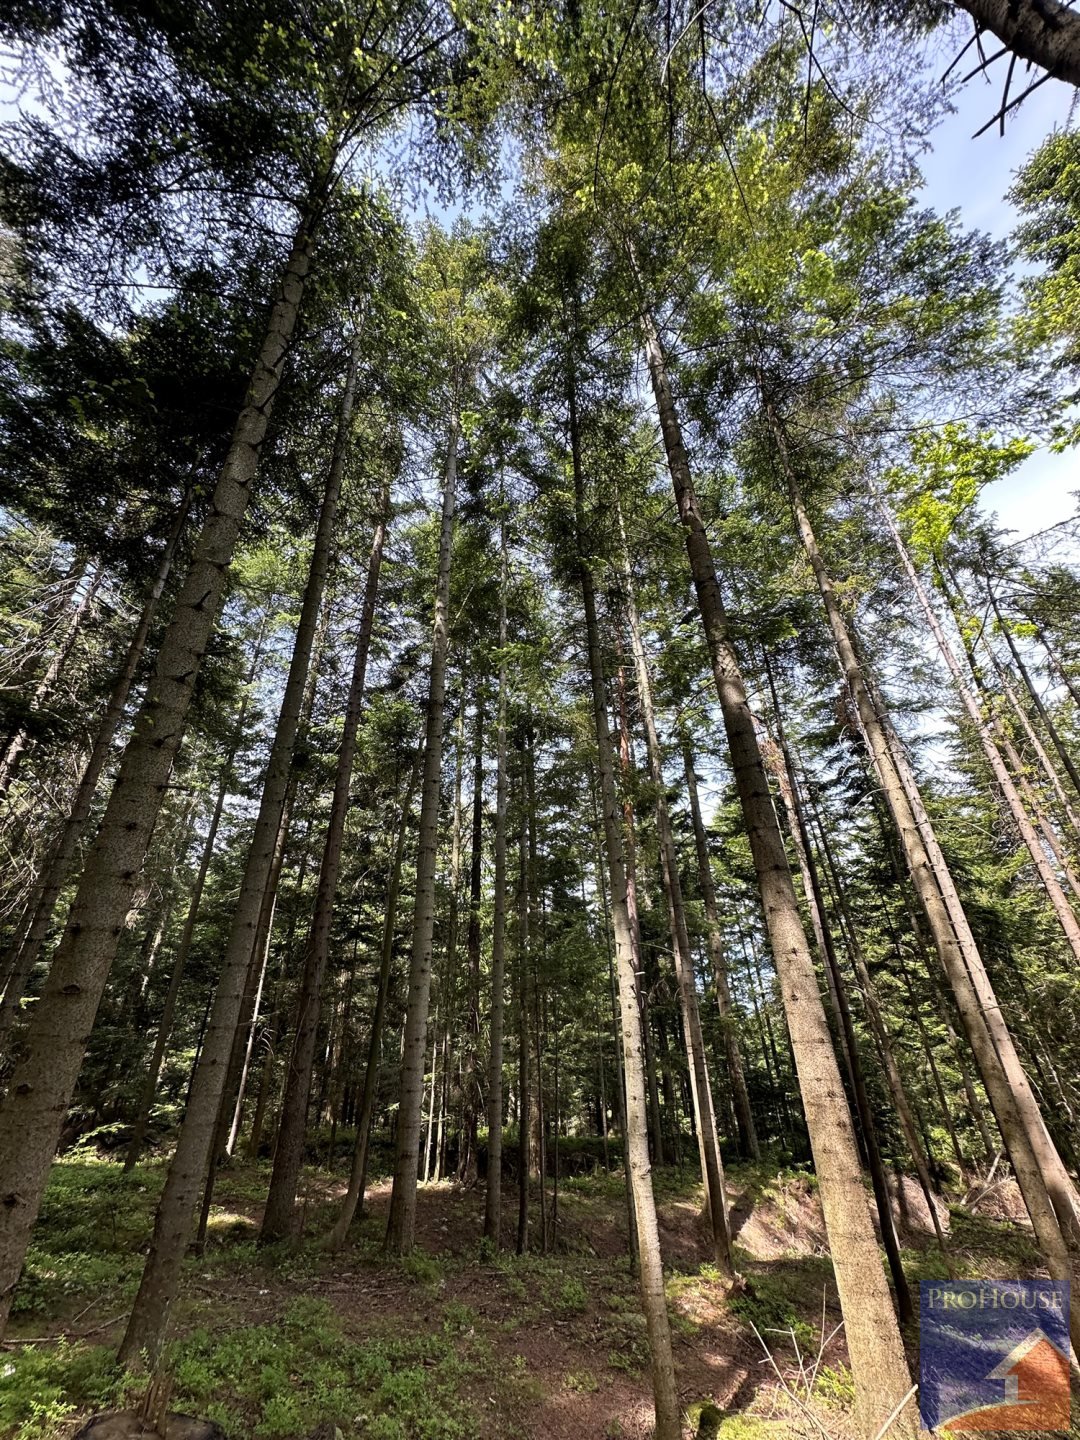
x=583, y=1382
x=835, y=1385
x=423, y=1268
x=765, y=1305
x=41, y=1385
x=457, y=1318
x=572, y=1296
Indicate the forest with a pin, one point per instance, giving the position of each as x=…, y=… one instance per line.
x=539, y=804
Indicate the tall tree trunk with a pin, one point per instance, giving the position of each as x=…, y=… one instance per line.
x=168, y=1009
x=354, y=1196
x=881, y=1033
x=493, y=1197
x=278, y=1216
x=867, y=1124
x=402, y=1222
x=1039, y=1169
x=195, y=1145
x=1056, y=662
x=626, y=769
x=471, y=1091
x=427, y=1166
x=616, y=1034
x=713, y=1169
x=524, y=973
x=878, y=1363
x=736, y=1076
x=1042, y=1177
x=1031, y=799
x=651, y=1275
x=32, y=1113
x=20, y=964
x=231, y=1093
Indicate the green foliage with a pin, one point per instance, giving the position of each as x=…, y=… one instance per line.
x=41, y=1385
x=950, y=467
x=572, y=1296
x=766, y=1303
x=89, y=1237
x=835, y=1385
x=1047, y=194
x=281, y=1378
x=582, y=1382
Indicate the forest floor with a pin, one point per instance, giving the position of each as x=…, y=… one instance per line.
x=457, y=1342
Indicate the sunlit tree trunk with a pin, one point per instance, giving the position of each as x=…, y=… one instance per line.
x=651, y=1275
x=471, y=1093
x=736, y=1076
x=878, y=1363
x=493, y=1198
x=792, y=798
x=1039, y=1169
x=354, y=1196
x=524, y=998
x=33, y=1110
x=402, y=1222
x=616, y=1033
x=713, y=1169
x=278, y=1217
x=881, y=1033
x=626, y=769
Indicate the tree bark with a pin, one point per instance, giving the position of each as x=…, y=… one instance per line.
x=881, y=1034
x=278, y=1217
x=867, y=1124
x=1046, y=32
x=471, y=1093
x=168, y=1009
x=878, y=1363
x=1039, y=1169
x=33, y=1111
x=616, y=1033
x=712, y=1168
x=354, y=1196
x=493, y=1197
x=524, y=1011
x=651, y=1275
x=626, y=770
x=402, y=1222
x=744, y=1118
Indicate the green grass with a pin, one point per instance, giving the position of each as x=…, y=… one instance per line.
x=282, y=1379
x=89, y=1240
x=41, y=1385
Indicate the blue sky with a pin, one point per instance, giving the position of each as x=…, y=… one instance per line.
x=972, y=175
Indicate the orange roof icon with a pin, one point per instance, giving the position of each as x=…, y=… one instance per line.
x=1036, y=1392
